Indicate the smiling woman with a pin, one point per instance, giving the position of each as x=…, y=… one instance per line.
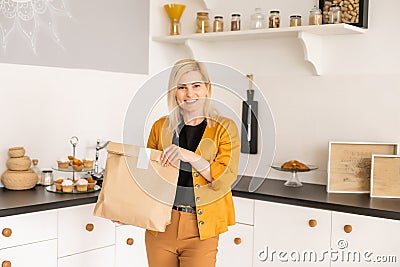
x=205, y=147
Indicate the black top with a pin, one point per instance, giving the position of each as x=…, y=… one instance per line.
x=189, y=138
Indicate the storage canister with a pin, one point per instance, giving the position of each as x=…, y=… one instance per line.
x=218, y=24
x=202, y=22
x=315, y=17
x=334, y=14
x=235, y=22
x=257, y=19
x=274, y=19
x=295, y=20
x=47, y=177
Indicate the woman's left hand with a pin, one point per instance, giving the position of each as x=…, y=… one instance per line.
x=174, y=153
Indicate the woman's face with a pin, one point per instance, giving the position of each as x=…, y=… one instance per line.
x=191, y=91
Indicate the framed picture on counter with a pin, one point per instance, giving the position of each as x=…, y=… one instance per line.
x=385, y=176
x=349, y=165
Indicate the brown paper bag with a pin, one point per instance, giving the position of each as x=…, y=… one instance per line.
x=136, y=189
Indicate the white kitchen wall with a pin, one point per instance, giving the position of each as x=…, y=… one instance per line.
x=356, y=98
x=42, y=108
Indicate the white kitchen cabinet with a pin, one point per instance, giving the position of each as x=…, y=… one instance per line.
x=79, y=230
x=286, y=234
x=43, y=254
x=28, y=228
x=130, y=248
x=244, y=209
x=364, y=241
x=103, y=257
x=235, y=247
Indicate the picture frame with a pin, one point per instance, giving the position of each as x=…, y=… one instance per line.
x=349, y=165
x=362, y=12
x=385, y=176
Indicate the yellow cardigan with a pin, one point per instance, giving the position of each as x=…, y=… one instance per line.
x=220, y=146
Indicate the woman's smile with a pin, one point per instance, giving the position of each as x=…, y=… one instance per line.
x=190, y=101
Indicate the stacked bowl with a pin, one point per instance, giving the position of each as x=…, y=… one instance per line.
x=19, y=176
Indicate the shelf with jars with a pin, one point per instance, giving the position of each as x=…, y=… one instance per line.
x=309, y=36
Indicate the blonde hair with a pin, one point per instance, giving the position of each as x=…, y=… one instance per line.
x=175, y=112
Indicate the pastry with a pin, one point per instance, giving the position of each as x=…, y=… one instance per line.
x=58, y=184
x=71, y=158
x=88, y=163
x=91, y=183
x=77, y=162
x=82, y=185
x=77, y=167
x=63, y=163
x=67, y=186
x=294, y=165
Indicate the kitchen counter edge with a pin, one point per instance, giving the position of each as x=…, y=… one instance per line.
x=309, y=195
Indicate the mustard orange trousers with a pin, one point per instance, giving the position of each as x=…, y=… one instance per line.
x=180, y=244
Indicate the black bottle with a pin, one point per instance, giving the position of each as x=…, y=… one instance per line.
x=249, y=121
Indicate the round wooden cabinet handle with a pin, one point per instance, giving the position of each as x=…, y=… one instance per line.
x=6, y=264
x=89, y=227
x=130, y=241
x=6, y=232
x=348, y=228
x=237, y=240
x=312, y=223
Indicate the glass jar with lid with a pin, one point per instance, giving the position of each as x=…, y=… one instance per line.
x=334, y=15
x=47, y=177
x=235, y=22
x=274, y=19
x=218, y=24
x=295, y=20
x=315, y=17
x=257, y=19
x=202, y=22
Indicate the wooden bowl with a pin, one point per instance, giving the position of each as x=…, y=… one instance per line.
x=19, y=180
x=16, y=152
x=19, y=164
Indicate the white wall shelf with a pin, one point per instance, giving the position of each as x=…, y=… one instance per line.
x=309, y=36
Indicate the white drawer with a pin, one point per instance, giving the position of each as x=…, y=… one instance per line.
x=244, y=209
x=43, y=254
x=235, y=247
x=28, y=228
x=75, y=235
x=130, y=248
x=102, y=257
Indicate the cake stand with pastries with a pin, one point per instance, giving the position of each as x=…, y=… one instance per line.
x=73, y=165
x=294, y=167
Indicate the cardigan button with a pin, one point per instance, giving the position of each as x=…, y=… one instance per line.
x=197, y=199
x=200, y=212
x=197, y=186
x=196, y=174
x=201, y=223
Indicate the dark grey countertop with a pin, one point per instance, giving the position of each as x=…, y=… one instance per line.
x=315, y=196
x=310, y=195
x=39, y=199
